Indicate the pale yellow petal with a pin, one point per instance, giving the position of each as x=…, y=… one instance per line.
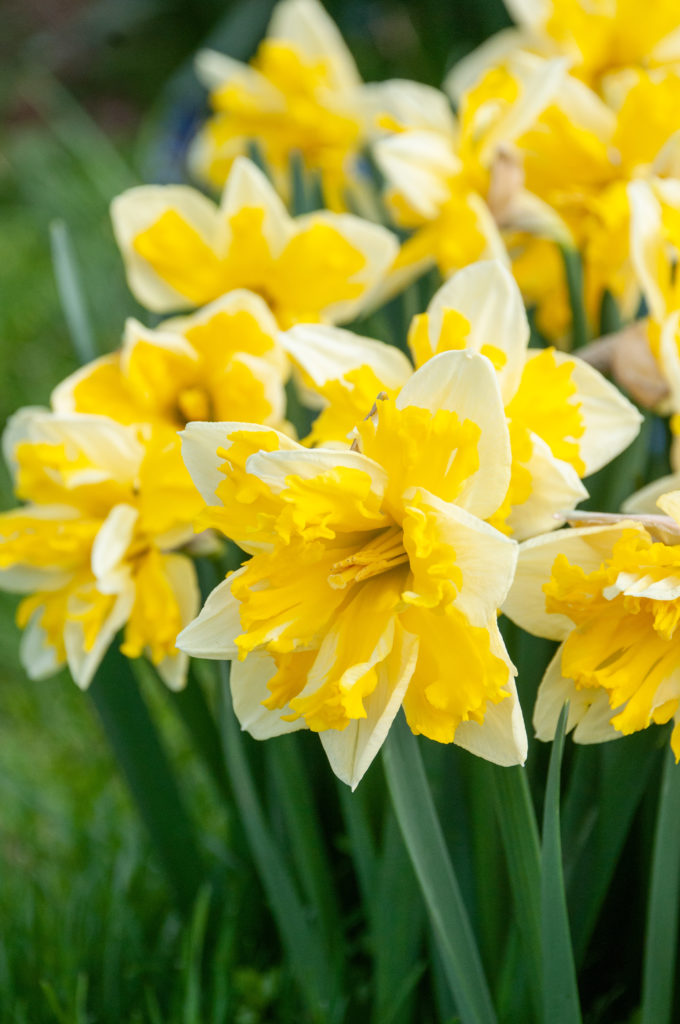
x=588, y=547
x=351, y=751
x=466, y=384
x=211, y=634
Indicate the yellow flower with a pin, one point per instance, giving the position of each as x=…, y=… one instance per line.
x=181, y=250
x=602, y=39
x=94, y=547
x=374, y=582
x=611, y=594
x=579, y=157
x=301, y=94
x=457, y=183
x=566, y=421
x=655, y=246
x=223, y=362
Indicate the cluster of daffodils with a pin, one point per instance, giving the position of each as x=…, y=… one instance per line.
x=388, y=500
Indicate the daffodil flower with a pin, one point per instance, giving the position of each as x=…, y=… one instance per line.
x=565, y=420
x=579, y=158
x=301, y=94
x=457, y=183
x=374, y=581
x=655, y=245
x=602, y=40
x=611, y=593
x=95, y=546
x=224, y=361
x=181, y=250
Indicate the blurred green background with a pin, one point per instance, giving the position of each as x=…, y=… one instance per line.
x=97, y=97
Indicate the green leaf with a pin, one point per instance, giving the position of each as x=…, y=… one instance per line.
x=573, y=269
x=307, y=844
x=71, y=294
x=599, y=812
x=560, y=991
x=421, y=829
x=661, y=936
x=152, y=783
x=519, y=831
x=302, y=942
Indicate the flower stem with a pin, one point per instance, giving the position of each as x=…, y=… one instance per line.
x=661, y=938
x=421, y=829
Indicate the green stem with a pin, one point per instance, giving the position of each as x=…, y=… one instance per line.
x=300, y=939
x=661, y=938
x=519, y=831
x=560, y=990
x=421, y=829
x=573, y=269
x=71, y=294
x=143, y=760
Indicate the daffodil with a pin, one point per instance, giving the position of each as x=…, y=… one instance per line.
x=374, y=581
x=602, y=39
x=181, y=250
x=94, y=547
x=611, y=593
x=580, y=156
x=456, y=183
x=221, y=362
x=301, y=94
x=565, y=420
x=655, y=246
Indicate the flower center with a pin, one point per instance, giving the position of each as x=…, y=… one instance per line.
x=384, y=552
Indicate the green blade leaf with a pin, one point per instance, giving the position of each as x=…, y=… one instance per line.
x=573, y=269
x=421, y=829
x=560, y=990
x=307, y=844
x=661, y=937
x=302, y=942
x=519, y=831
x=152, y=783
x=71, y=293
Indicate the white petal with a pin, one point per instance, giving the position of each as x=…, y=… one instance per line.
x=181, y=574
x=493, y=51
x=328, y=353
x=134, y=211
x=644, y=501
x=419, y=164
x=112, y=449
x=611, y=422
x=113, y=539
x=37, y=655
x=648, y=245
x=240, y=300
x=466, y=383
x=212, y=633
x=555, y=488
x=539, y=83
x=376, y=244
x=589, y=711
x=411, y=104
x=84, y=663
x=310, y=30
x=274, y=468
x=61, y=399
x=485, y=557
x=249, y=681
x=215, y=69
x=351, y=751
x=588, y=547
x=247, y=187
x=487, y=295
x=501, y=738
x=200, y=442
